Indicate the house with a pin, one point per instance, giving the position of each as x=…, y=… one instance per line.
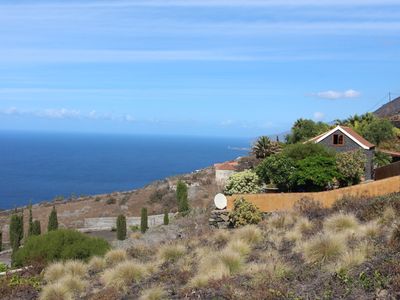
x=343, y=139
x=223, y=171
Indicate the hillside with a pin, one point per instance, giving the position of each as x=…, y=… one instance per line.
x=157, y=197
x=390, y=110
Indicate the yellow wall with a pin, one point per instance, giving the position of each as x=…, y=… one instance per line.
x=285, y=201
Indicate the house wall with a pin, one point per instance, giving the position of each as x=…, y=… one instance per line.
x=350, y=145
x=286, y=201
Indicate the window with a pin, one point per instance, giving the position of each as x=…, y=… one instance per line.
x=338, y=139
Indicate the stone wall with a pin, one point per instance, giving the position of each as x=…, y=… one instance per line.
x=110, y=222
x=219, y=219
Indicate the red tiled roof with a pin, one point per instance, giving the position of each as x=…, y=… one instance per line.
x=226, y=166
x=358, y=137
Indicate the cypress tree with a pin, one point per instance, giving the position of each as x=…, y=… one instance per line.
x=1, y=240
x=36, y=228
x=16, y=230
x=30, y=224
x=182, y=197
x=53, y=221
x=166, y=217
x=121, y=227
x=144, y=220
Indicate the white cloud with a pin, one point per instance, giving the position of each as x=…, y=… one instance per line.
x=318, y=116
x=334, y=95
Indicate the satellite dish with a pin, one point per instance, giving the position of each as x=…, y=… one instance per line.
x=220, y=201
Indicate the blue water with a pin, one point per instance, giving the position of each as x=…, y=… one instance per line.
x=40, y=166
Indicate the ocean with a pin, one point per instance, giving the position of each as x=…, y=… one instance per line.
x=40, y=166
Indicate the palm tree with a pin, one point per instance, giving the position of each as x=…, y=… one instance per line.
x=264, y=147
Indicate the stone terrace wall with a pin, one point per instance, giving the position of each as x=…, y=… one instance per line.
x=110, y=222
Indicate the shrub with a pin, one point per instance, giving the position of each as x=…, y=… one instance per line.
x=351, y=166
x=310, y=208
x=59, y=245
x=16, y=230
x=232, y=260
x=115, y=256
x=30, y=222
x=36, y=228
x=1, y=240
x=246, y=182
x=123, y=275
x=155, y=293
x=239, y=246
x=53, y=221
x=264, y=147
x=182, y=197
x=171, y=252
x=166, y=217
x=56, y=291
x=76, y=268
x=314, y=173
x=301, y=151
x=304, y=129
x=377, y=130
x=277, y=169
x=341, y=222
x=121, y=227
x=244, y=213
x=74, y=284
x=144, y=220
x=381, y=159
x=324, y=248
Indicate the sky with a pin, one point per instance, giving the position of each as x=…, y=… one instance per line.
x=194, y=67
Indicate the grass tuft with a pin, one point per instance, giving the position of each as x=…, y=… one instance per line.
x=341, y=222
x=55, y=291
x=232, y=260
x=76, y=268
x=123, y=275
x=54, y=272
x=115, y=256
x=97, y=264
x=75, y=285
x=324, y=248
x=250, y=234
x=171, y=252
x=239, y=246
x=155, y=293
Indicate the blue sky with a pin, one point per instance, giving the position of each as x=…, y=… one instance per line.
x=194, y=67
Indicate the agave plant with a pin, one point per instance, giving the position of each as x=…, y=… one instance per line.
x=264, y=147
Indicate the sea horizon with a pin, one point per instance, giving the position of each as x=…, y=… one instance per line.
x=38, y=166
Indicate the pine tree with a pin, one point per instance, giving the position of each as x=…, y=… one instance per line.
x=144, y=220
x=166, y=217
x=121, y=227
x=30, y=224
x=182, y=197
x=36, y=228
x=53, y=221
x=16, y=230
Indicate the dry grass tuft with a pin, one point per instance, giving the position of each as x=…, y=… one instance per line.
x=76, y=268
x=388, y=217
x=324, y=248
x=371, y=230
x=250, y=234
x=239, y=246
x=341, y=222
x=171, y=252
x=55, y=291
x=232, y=260
x=155, y=293
x=221, y=237
x=115, y=256
x=303, y=226
x=97, y=264
x=74, y=284
x=123, y=275
x=54, y=272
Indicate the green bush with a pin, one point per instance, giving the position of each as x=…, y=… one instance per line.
x=16, y=230
x=144, y=220
x=314, y=174
x=382, y=159
x=121, y=227
x=60, y=244
x=182, y=197
x=277, y=169
x=36, y=228
x=301, y=151
x=53, y=220
x=377, y=130
x=245, y=182
x=166, y=217
x=351, y=167
x=244, y=213
x=303, y=130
